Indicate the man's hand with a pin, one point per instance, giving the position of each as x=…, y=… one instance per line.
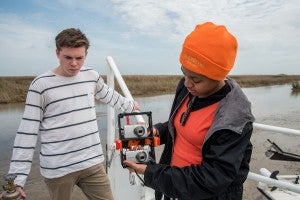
x=22, y=192
x=136, y=106
x=18, y=188
x=132, y=166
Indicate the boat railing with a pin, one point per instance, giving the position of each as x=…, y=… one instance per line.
x=264, y=177
x=123, y=182
x=277, y=129
x=146, y=194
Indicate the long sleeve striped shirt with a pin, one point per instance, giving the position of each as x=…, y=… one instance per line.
x=62, y=111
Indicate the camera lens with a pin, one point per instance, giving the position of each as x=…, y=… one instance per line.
x=139, y=131
x=141, y=156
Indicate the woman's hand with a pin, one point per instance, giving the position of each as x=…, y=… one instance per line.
x=155, y=132
x=132, y=166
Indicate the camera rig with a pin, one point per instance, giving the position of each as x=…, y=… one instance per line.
x=136, y=141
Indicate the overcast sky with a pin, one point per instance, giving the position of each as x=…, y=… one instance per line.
x=145, y=36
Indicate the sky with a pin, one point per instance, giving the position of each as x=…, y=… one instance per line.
x=144, y=37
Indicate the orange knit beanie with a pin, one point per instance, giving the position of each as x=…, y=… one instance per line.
x=209, y=50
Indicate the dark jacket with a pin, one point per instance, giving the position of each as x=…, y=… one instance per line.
x=226, y=153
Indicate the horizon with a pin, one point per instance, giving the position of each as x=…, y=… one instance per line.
x=272, y=75
x=145, y=36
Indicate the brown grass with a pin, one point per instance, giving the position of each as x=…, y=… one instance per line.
x=265, y=80
x=14, y=89
x=150, y=85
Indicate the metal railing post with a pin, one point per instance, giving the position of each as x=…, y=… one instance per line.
x=110, y=110
x=287, y=131
x=115, y=171
x=122, y=84
x=274, y=182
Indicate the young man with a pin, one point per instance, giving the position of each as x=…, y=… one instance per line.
x=207, y=137
x=60, y=106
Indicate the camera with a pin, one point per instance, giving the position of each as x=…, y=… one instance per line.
x=136, y=141
x=135, y=131
x=139, y=156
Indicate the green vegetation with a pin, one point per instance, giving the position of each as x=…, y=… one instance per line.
x=14, y=89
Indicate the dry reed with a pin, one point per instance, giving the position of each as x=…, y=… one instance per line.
x=14, y=89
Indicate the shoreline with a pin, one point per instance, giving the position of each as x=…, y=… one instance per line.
x=14, y=89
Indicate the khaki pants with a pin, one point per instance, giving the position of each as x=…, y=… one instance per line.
x=93, y=182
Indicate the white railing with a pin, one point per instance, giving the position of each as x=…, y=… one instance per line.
x=264, y=178
x=124, y=183
x=277, y=129
x=116, y=172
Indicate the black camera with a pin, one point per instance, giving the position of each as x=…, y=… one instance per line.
x=136, y=140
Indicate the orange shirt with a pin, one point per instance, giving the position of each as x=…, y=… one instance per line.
x=190, y=137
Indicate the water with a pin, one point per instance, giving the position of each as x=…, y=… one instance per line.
x=277, y=102
x=272, y=105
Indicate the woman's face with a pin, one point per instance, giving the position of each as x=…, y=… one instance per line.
x=199, y=85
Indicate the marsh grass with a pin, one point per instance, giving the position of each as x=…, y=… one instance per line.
x=150, y=85
x=14, y=89
x=265, y=80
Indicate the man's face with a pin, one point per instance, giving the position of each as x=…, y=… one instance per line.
x=71, y=60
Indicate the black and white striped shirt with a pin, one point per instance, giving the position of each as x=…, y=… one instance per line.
x=62, y=110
